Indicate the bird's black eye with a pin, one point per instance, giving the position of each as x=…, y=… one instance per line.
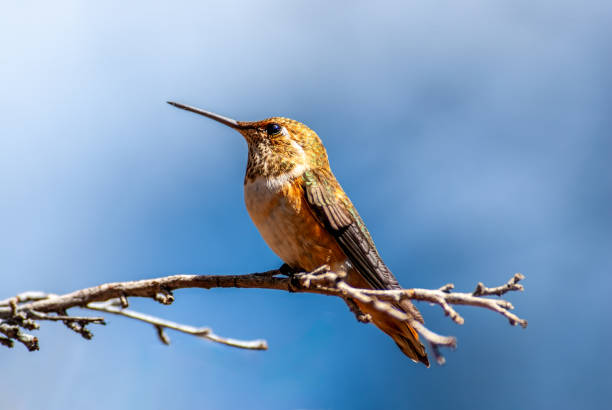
x=273, y=129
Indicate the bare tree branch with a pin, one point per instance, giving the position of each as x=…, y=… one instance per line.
x=23, y=310
x=445, y=298
x=512, y=284
x=25, y=297
x=13, y=332
x=113, y=306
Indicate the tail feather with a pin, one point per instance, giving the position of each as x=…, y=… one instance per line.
x=406, y=338
x=411, y=346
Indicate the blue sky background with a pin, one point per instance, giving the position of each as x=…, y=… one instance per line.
x=474, y=138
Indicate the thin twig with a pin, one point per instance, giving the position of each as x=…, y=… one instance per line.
x=445, y=299
x=25, y=297
x=203, y=332
x=512, y=284
x=14, y=332
x=82, y=319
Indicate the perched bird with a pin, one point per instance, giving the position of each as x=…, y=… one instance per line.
x=306, y=218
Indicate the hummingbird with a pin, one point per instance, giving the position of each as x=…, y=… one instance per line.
x=306, y=218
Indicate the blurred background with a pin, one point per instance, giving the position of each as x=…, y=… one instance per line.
x=473, y=137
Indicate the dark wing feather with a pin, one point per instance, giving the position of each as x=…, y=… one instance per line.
x=340, y=218
x=335, y=211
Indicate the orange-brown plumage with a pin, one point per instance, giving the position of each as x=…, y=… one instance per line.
x=307, y=219
x=289, y=227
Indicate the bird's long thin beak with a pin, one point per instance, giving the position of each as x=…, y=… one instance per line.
x=223, y=120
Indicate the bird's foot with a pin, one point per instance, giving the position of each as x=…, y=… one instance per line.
x=321, y=269
x=299, y=278
x=292, y=274
x=287, y=270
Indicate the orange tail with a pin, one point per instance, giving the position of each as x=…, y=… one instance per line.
x=406, y=338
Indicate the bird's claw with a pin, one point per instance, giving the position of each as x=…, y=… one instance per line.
x=286, y=270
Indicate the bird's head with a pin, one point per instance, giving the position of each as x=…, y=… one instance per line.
x=277, y=145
